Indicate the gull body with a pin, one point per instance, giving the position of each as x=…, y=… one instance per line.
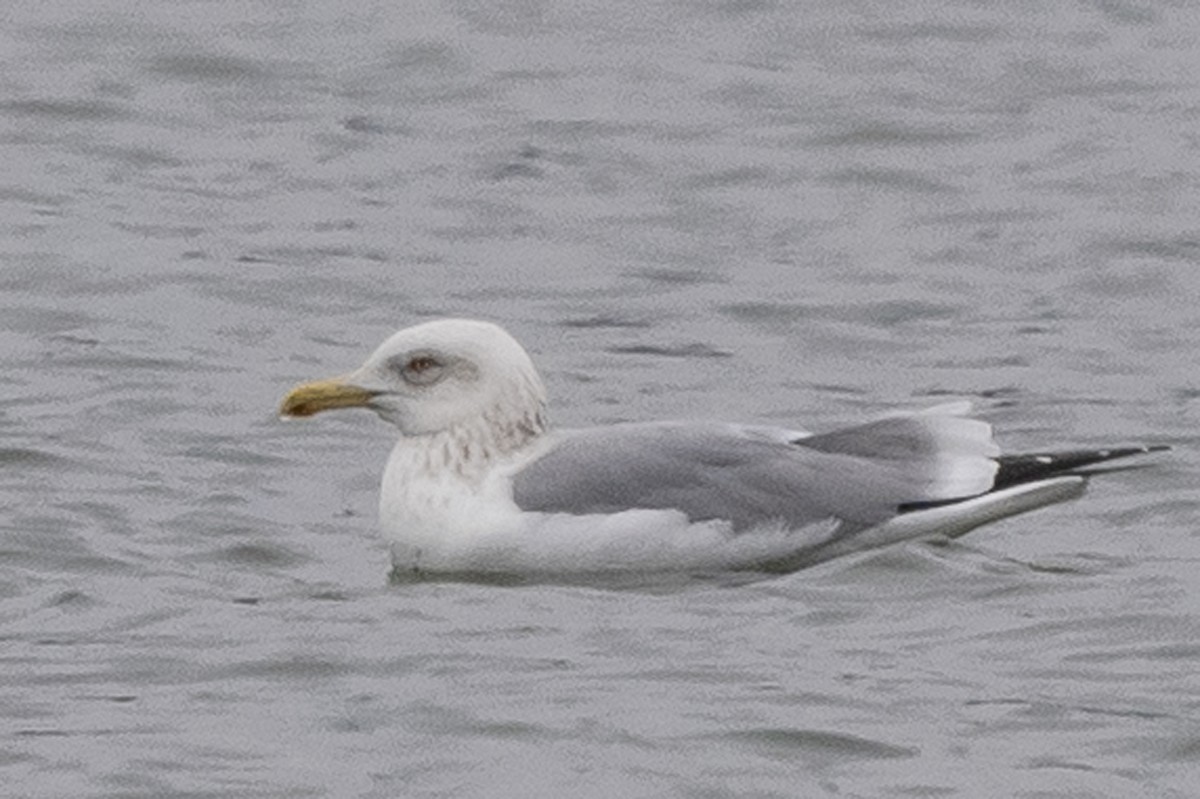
x=476, y=483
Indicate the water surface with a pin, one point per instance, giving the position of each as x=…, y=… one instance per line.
x=788, y=213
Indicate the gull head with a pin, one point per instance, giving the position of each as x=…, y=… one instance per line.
x=445, y=375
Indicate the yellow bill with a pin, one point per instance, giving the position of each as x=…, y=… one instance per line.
x=324, y=395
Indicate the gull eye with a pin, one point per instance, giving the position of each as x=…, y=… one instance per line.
x=421, y=363
x=420, y=369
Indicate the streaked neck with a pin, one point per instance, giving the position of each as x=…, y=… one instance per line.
x=467, y=451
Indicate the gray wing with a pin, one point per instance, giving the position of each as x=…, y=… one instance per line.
x=752, y=475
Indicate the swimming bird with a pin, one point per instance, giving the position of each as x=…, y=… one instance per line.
x=478, y=483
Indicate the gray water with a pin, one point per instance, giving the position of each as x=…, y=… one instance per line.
x=795, y=213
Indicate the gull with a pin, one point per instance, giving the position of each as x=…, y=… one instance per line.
x=477, y=482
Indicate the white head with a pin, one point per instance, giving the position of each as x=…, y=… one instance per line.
x=446, y=375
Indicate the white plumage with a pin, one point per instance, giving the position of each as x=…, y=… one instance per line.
x=476, y=483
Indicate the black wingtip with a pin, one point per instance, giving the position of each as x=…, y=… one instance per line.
x=1017, y=469
x=1030, y=467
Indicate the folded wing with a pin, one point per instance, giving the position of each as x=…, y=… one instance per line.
x=750, y=476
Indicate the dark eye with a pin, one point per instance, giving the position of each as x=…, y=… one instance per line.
x=420, y=369
x=421, y=363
